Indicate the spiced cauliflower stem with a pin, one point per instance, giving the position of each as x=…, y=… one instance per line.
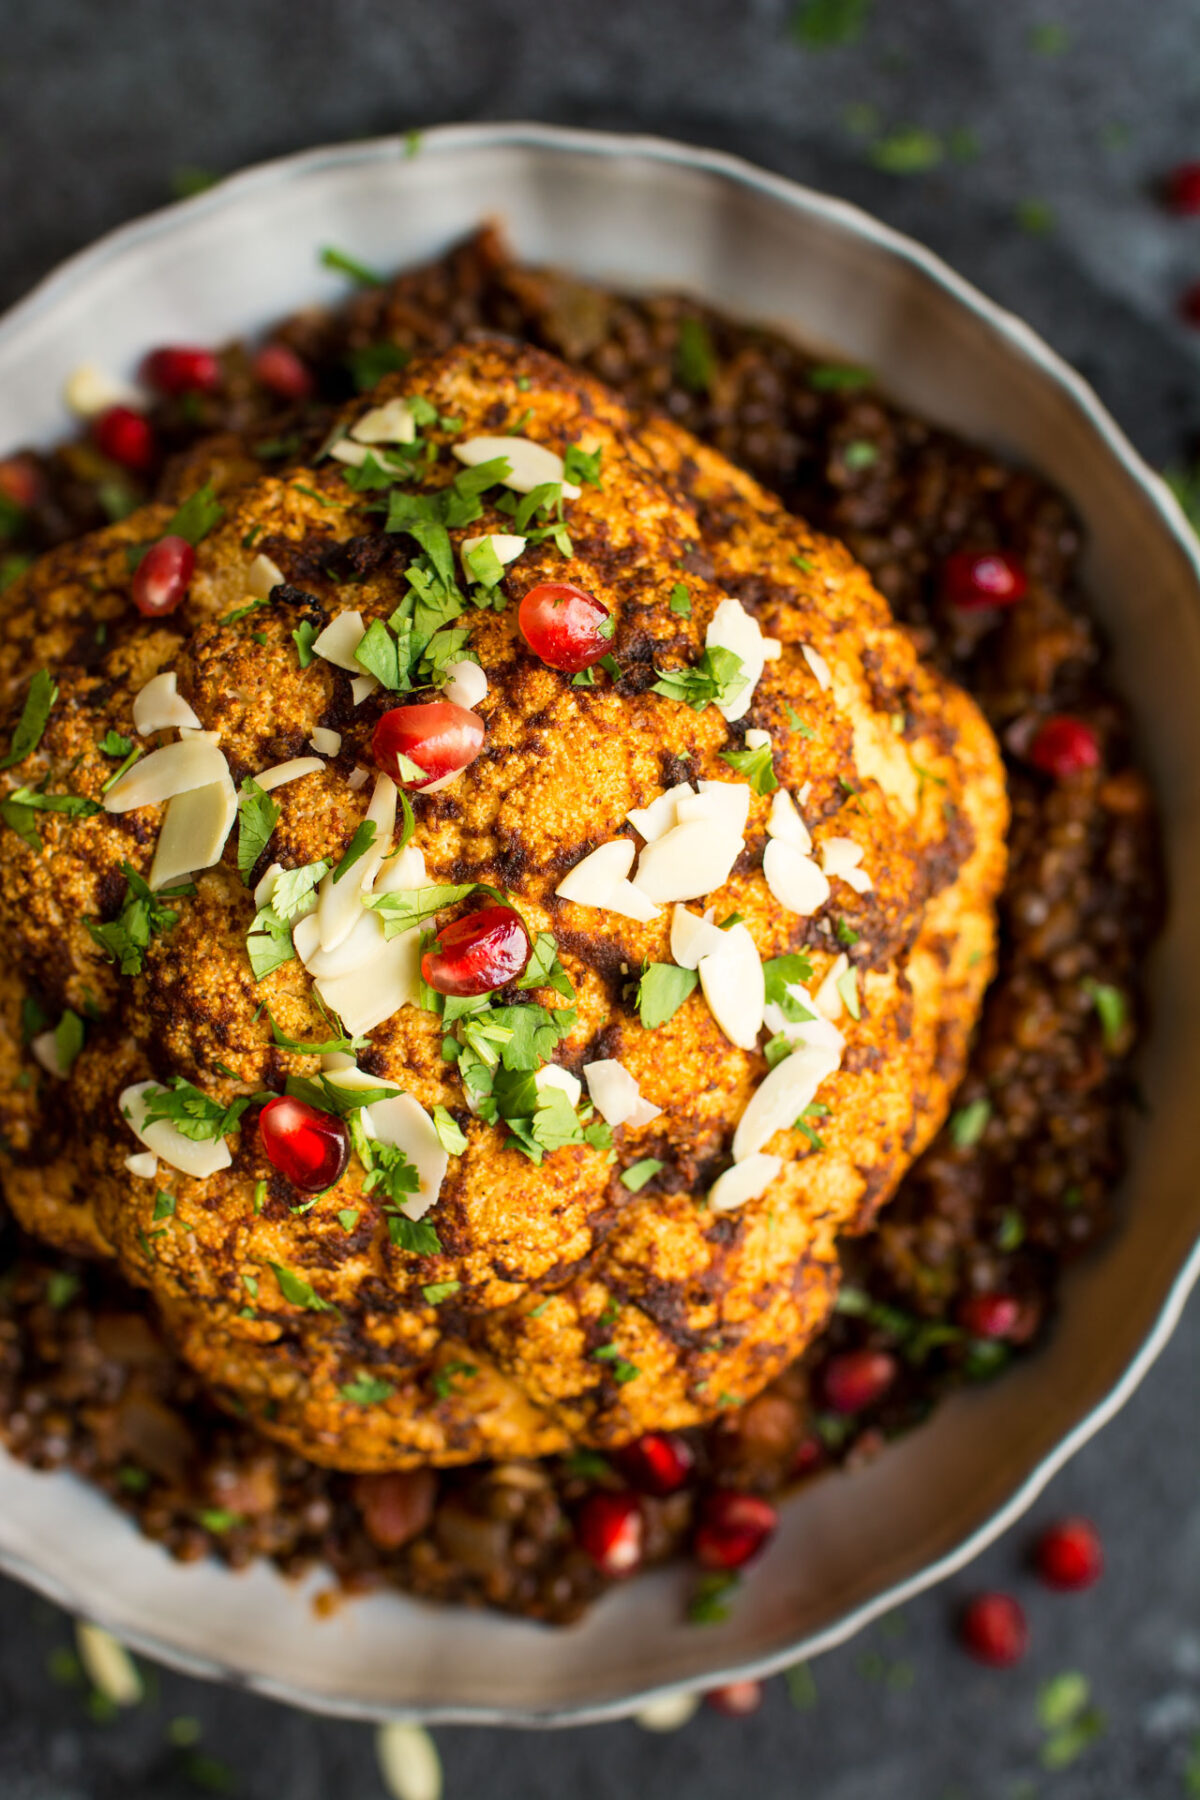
x=559, y=1305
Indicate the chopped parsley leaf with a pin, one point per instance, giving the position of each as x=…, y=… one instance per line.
x=545, y=970
x=357, y=848
x=450, y=1134
x=860, y=454
x=827, y=24
x=402, y=910
x=258, y=816
x=113, y=744
x=709, y=1604
x=294, y=887
x=304, y=637
x=846, y=934
x=68, y=1040
x=779, y=974
x=695, y=357
x=438, y=1291
x=367, y=1390
x=638, y=1174
x=35, y=713
x=416, y=1236
x=836, y=378
x=348, y=265
x=218, y=1519
x=268, y=943
x=136, y=751
x=757, y=766
x=327, y=1047
x=1112, y=1010
x=298, y=1291
x=143, y=916
x=369, y=365
x=61, y=1288
x=379, y=654
x=18, y=810
x=718, y=677
x=622, y=1371
x=194, y=1114
x=680, y=601
x=910, y=150
x=582, y=466
x=164, y=1207
x=661, y=992
x=968, y=1124
x=197, y=516
x=444, y=1378
x=847, y=987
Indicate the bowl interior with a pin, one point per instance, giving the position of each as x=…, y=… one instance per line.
x=640, y=213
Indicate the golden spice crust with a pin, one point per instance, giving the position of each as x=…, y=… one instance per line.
x=559, y=1261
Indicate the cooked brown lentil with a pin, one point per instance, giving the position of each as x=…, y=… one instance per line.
x=1020, y=1180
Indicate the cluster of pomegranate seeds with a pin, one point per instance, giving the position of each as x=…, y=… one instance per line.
x=736, y=1698
x=125, y=437
x=181, y=369
x=1064, y=746
x=609, y=1529
x=568, y=628
x=20, y=482
x=1182, y=189
x=278, y=367
x=1069, y=1555
x=994, y=1629
x=160, y=581
x=440, y=738
x=972, y=579
x=478, y=953
x=311, y=1148
x=856, y=1379
x=658, y=1463
x=989, y=1315
x=733, y=1528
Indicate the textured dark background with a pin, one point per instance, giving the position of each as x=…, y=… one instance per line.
x=1077, y=106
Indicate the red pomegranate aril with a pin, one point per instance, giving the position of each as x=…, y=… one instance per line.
x=278, y=367
x=736, y=1698
x=994, y=1630
x=1064, y=746
x=989, y=1315
x=160, y=581
x=856, y=1379
x=20, y=481
x=810, y=1455
x=658, y=1463
x=1069, y=1555
x=310, y=1147
x=609, y=1529
x=568, y=628
x=976, y=578
x=125, y=437
x=395, y=1506
x=478, y=953
x=440, y=738
x=181, y=369
x=733, y=1528
x=1182, y=192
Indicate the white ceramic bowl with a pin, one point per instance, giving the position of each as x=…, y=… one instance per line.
x=643, y=213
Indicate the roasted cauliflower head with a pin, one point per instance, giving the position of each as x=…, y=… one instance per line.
x=752, y=843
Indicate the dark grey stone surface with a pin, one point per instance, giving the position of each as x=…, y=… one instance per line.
x=98, y=106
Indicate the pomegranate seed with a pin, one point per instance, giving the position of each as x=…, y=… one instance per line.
x=1182, y=191
x=736, y=1698
x=439, y=737
x=1064, y=747
x=181, y=369
x=478, y=953
x=395, y=1506
x=975, y=578
x=125, y=437
x=160, y=581
x=566, y=626
x=1069, y=1555
x=20, y=481
x=857, y=1378
x=278, y=367
x=658, y=1463
x=733, y=1528
x=810, y=1454
x=609, y=1529
x=310, y=1147
x=993, y=1629
x=989, y=1315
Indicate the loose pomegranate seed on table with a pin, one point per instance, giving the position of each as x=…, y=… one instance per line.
x=736, y=1699
x=440, y=738
x=994, y=1630
x=310, y=1147
x=125, y=437
x=278, y=367
x=1069, y=1555
x=160, y=581
x=989, y=1315
x=1182, y=188
x=733, y=1528
x=478, y=953
x=1064, y=746
x=855, y=1379
x=181, y=369
x=658, y=1463
x=568, y=628
x=610, y=1530
x=972, y=579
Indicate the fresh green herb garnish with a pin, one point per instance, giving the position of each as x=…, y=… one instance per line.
x=439, y=1291
x=304, y=637
x=61, y=1288
x=638, y=1174
x=35, y=713
x=294, y=888
x=680, y=601
x=661, y=992
x=1112, y=1010
x=298, y=1291
x=143, y=916
x=408, y=907
x=113, y=744
x=194, y=1114
x=779, y=974
x=369, y=365
x=348, y=265
x=134, y=754
x=68, y=1040
x=20, y=808
x=544, y=968
x=445, y=1377
x=582, y=466
x=969, y=1123
x=826, y=24
x=357, y=848
x=416, y=1236
x=367, y=1390
x=709, y=1604
x=695, y=357
x=847, y=987
x=859, y=454
x=450, y=1134
x=757, y=766
x=258, y=816
x=911, y=150
x=837, y=378
x=846, y=935
x=719, y=677
x=1037, y=217
x=622, y=1371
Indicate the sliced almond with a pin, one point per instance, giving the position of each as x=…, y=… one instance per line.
x=90, y=390
x=794, y=879
x=468, y=684
x=195, y=830
x=757, y=740
x=660, y=816
x=734, y=987
x=818, y=665
x=44, y=1050
x=690, y=860
x=361, y=688
x=175, y=769
x=669, y=1713
x=376, y=989
x=591, y=881
x=726, y=803
x=733, y=628
x=693, y=937
x=324, y=741
x=347, y=451
x=143, y=1164
x=780, y=1098
x=616, y=1095
x=828, y=998
x=199, y=1160
x=340, y=903
x=530, y=465
x=506, y=547
x=403, y=1122
x=108, y=1665
x=358, y=777
x=841, y=857
x=785, y=823
x=159, y=707
x=408, y=1762
x=552, y=1076
x=263, y=577
x=340, y=639
x=748, y=1180
x=345, y=1073
x=404, y=870
x=292, y=770
x=391, y=423
x=357, y=950
x=629, y=902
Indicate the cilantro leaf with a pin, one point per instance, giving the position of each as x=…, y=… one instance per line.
x=298, y=1291
x=304, y=637
x=757, y=766
x=533, y=1034
x=638, y=1174
x=18, y=809
x=269, y=943
x=661, y=992
x=357, y=848
x=450, y=1134
x=622, y=1371
x=483, y=564
x=113, y=744
x=367, y=1390
x=379, y=654
x=372, y=362
x=555, y=1121
x=1112, y=1010
x=582, y=466
x=437, y=1291
x=545, y=970
x=194, y=1114
x=680, y=601
x=416, y=1236
x=782, y=972
x=339, y=1041
x=969, y=1123
x=348, y=265
x=143, y=916
x=412, y=906
x=443, y=1380
x=293, y=888
x=27, y=735
x=718, y=677
x=68, y=1040
x=695, y=357
x=258, y=816
x=197, y=516
x=838, y=378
